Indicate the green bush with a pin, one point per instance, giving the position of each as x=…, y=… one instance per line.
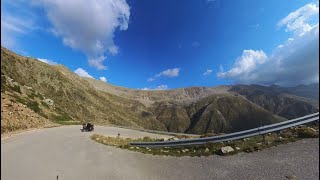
x=16, y=88
x=3, y=83
x=32, y=95
x=20, y=100
x=44, y=104
x=34, y=106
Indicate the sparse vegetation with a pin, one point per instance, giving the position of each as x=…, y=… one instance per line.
x=247, y=145
x=32, y=95
x=44, y=104
x=60, y=118
x=307, y=133
x=34, y=106
x=209, y=109
x=64, y=119
x=16, y=88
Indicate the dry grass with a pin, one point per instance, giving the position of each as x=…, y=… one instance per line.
x=247, y=145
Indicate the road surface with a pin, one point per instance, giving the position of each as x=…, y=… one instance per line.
x=70, y=154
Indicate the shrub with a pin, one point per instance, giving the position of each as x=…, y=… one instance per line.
x=34, y=106
x=307, y=133
x=44, y=104
x=16, y=88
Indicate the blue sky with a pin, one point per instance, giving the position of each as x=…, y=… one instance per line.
x=165, y=44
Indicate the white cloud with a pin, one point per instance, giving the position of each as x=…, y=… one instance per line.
x=83, y=73
x=297, y=21
x=103, y=79
x=296, y=61
x=98, y=63
x=245, y=64
x=167, y=73
x=208, y=72
x=88, y=26
x=47, y=61
x=160, y=87
x=145, y=89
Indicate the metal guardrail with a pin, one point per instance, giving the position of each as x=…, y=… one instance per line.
x=233, y=136
x=155, y=131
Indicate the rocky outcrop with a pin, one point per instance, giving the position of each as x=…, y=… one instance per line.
x=16, y=116
x=49, y=102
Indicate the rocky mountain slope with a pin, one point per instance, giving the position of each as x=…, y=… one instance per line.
x=182, y=95
x=74, y=98
x=57, y=94
x=278, y=100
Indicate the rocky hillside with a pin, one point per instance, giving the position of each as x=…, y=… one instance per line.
x=221, y=113
x=308, y=91
x=74, y=98
x=17, y=116
x=56, y=94
x=149, y=97
x=278, y=100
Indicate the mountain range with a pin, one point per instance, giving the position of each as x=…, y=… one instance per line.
x=58, y=95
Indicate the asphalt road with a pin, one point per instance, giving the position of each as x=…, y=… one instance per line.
x=71, y=154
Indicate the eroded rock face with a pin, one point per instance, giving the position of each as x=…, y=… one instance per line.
x=15, y=116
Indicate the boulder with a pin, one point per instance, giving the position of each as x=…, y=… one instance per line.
x=49, y=102
x=226, y=149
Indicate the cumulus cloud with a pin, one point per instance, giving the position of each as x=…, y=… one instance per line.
x=167, y=73
x=104, y=79
x=296, y=61
x=249, y=60
x=160, y=87
x=88, y=26
x=83, y=73
x=208, y=72
x=47, y=61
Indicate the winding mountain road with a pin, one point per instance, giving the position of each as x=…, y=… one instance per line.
x=71, y=154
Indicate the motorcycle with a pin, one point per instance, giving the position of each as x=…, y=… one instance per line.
x=87, y=127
